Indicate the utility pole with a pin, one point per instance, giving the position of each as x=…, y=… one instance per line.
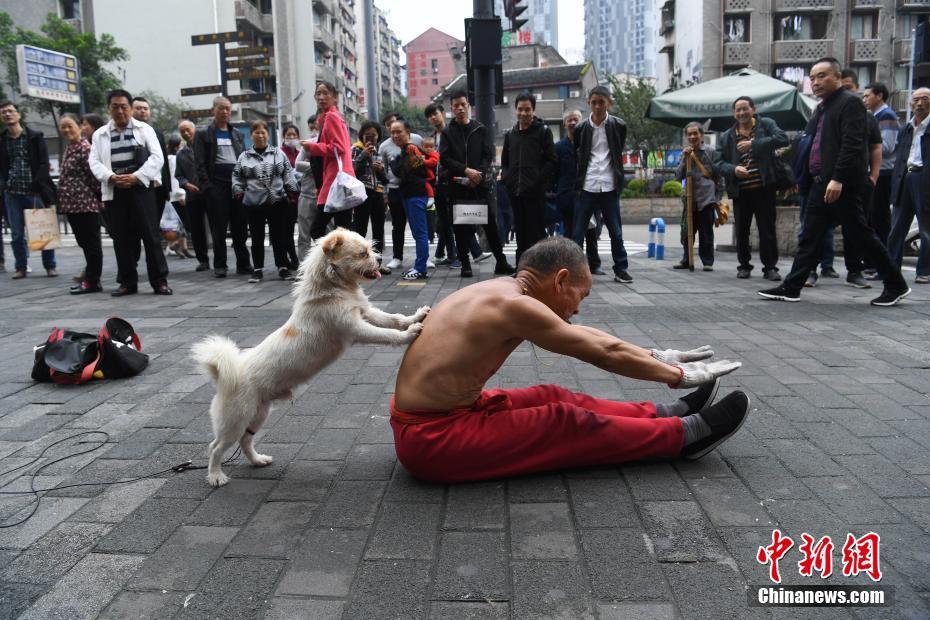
x=484, y=59
x=371, y=79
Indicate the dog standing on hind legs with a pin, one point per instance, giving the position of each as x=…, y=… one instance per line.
x=330, y=314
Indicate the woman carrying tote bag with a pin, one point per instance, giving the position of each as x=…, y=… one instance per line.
x=264, y=180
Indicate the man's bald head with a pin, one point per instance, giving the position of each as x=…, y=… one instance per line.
x=920, y=103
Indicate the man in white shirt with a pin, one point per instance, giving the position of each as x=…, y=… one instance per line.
x=599, y=142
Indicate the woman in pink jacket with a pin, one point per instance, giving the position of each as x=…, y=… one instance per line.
x=334, y=138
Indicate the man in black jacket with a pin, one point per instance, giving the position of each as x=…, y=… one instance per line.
x=836, y=170
x=599, y=142
x=24, y=180
x=527, y=164
x=216, y=151
x=186, y=174
x=465, y=155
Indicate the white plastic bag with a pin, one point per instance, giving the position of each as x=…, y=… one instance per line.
x=346, y=192
x=170, y=223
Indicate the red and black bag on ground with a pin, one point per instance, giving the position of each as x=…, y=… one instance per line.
x=70, y=358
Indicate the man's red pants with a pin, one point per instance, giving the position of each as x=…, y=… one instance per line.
x=521, y=431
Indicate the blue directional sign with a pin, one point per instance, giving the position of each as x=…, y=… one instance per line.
x=47, y=74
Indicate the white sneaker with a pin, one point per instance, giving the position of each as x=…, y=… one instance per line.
x=394, y=264
x=430, y=264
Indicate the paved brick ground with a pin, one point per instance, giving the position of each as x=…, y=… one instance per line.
x=838, y=441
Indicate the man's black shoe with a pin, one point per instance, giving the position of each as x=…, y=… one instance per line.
x=219, y=273
x=771, y=274
x=622, y=276
x=244, y=271
x=466, y=273
x=123, y=291
x=829, y=272
x=724, y=419
x=780, y=293
x=597, y=271
x=85, y=287
x=680, y=266
x=202, y=267
x=504, y=269
x=163, y=289
x=701, y=397
x=891, y=297
x=856, y=280
x=742, y=274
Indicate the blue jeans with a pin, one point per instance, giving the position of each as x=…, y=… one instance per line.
x=826, y=259
x=415, y=209
x=608, y=203
x=909, y=205
x=16, y=204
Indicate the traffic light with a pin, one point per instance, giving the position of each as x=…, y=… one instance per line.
x=513, y=9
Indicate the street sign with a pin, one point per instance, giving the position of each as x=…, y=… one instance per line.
x=203, y=113
x=246, y=51
x=220, y=37
x=46, y=74
x=249, y=97
x=234, y=63
x=201, y=90
x=248, y=75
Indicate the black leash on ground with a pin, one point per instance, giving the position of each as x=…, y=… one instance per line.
x=180, y=467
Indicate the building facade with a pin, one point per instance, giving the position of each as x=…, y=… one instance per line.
x=783, y=38
x=631, y=52
x=389, y=70
x=430, y=64
x=542, y=23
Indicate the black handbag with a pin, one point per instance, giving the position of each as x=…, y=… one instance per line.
x=70, y=358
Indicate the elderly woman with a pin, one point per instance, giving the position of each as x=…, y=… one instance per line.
x=332, y=143
x=264, y=180
x=79, y=199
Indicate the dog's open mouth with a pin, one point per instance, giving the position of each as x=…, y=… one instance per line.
x=371, y=274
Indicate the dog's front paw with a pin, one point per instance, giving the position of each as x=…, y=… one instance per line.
x=421, y=314
x=413, y=331
x=262, y=460
x=217, y=480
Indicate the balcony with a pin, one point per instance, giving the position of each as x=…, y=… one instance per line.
x=737, y=6
x=249, y=14
x=324, y=6
x=737, y=54
x=868, y=4
x=325, y=72
x=323, y=38
x=899, y=101
x=74, y=23
x=913, y=5
x=792, y=52
x=902, y=51
x=864, y=50
x=802, y=6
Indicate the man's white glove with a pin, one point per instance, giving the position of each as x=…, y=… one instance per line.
x=671, y=356
x=694, y=374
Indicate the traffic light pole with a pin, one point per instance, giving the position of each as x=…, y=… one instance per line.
x=484, y=76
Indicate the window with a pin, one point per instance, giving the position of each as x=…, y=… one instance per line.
x=736, y=29
x=265, y=7
x=70, y=9
x=563, y=91
x=434, y=64
x=794, y=74
x=435, y=81
x=422, y=71
x=800, y=27
x=864, y=26
x=864, y=73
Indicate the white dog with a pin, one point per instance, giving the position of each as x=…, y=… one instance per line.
x=330, y=314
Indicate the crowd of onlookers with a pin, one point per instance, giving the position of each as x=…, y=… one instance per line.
x=850, y=164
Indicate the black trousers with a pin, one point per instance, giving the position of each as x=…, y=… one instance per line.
x=133, y=217
x=761, y=204
x=277, y=217
x=703, y=228
x=398, y=221
x=287, y=233
x=529, y=220
x=86, y=228
x=465, y=232
x=198, y=215
x=566, y=204
x=226, y=211
x=342, y=219
x=849, y=213
x=371, y=210
x=445, y=245
x=878, y=213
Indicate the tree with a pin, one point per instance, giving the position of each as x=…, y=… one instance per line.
x=166, y=114
x=631, y=97
x=413, y=114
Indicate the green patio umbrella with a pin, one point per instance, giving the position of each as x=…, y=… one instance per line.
x=713, y=100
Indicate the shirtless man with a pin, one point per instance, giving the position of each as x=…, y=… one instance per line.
x=447, y=428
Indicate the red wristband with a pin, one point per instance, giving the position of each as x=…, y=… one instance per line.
x=681, y=377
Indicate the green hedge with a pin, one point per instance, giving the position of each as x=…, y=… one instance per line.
x=672, y=189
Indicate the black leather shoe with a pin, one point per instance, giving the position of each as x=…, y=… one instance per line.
x=772, y=275
x=122, y=291
x=163, y=289
x=742, y=274
x=504, y=269
x=85, y=287
x=244, y=271
x=597, y=271
x=202, y=267
x=680, y=266
x=219, y=273
x=466, y=273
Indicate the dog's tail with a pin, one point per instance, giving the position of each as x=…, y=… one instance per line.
x=219, y=356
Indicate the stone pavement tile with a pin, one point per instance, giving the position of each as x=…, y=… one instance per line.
x=143, y=605
x=306, y=481
x=390, y=589
x=274, y=530
x=601, y=502
x=763, y=385
x=655, y=481
x=537, y=488
x=184, y=559
x=148, y=527
x=766, y=424
x=406, y=488
x=369, y=462
x=87, y=588
x=803, y=459
x=97, y=471
x=852, y=501
x=141, y=443
x=727, y=501
x=376, y=430
x=472, y=566
x=833, y=438
x=118, y=501
x=329, y=444
x=885, y=478
x=860, y=423
x=191, y=484
x=906, y=602
x=292, y=429
x=281, y=608
x=680, y=532
x=37, y=428
x=907, y=454
x=350, y=415
x=16, y=597
x=844, y=384
x=881, y=407
x=376, y=375
x=900, y=394
x=742, y=444
x=822, y=396
x=743, y=544
x=54, y=554
x=550, y=589
x=351, y=504
x=642, y=611
x=405, y=531
x=813, y=516
x=542, y=531
x=168, y=456
x=232, y=504
x=917, y=509
x=460, y=610
x=25, y=413
x=324, y=564
x=282, y=453
x=476, y=505
x=917, y=429
x=100, y=415
x=768, y=478
x=693, y=583
x=622, y=565
x=906, y=548
x=710, y=466
x=51, y=512
x=235, y=588
x=199, y=430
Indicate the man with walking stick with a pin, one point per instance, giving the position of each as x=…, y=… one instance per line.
x=703, y=194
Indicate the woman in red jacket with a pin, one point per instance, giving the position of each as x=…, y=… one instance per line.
x=334, y=138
